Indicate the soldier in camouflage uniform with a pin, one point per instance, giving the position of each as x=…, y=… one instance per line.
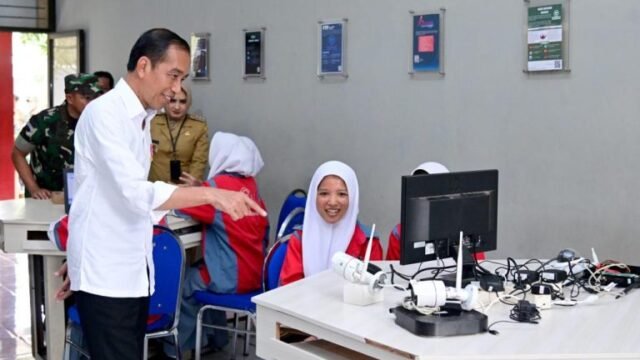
x=48, y=138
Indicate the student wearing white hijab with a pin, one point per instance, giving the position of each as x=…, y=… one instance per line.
x=330, y=224
x=429, y=167
x=233, y=251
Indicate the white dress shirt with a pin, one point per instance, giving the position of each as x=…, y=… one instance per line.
x=111, y=220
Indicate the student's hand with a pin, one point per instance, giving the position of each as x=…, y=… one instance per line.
x=65, y=290
x=189, y=180
x=235, y=203
x=40, y=193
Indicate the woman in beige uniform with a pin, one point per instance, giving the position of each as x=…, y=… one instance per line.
x=180, y=141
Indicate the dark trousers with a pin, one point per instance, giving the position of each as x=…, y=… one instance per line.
x=114, y=328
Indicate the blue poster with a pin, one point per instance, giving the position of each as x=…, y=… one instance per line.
x=426, y=42
x=331, y=48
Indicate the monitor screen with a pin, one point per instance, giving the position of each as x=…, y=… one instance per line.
x=69, y=189
x=436, y=207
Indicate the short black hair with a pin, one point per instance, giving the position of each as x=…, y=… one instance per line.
x=153, y=44
x=105, y=74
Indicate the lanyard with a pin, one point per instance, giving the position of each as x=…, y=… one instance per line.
x=175, y=142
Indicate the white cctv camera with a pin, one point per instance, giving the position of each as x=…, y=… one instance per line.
x=364, y=279
x=434, y=293
x=353, y=270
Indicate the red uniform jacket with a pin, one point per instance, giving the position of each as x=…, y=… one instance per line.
x=293, y=270
x=233, y=250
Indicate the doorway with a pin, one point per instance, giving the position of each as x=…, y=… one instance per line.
x=23, y=63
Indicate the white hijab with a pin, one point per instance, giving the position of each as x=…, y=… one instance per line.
x=431, y=167
x=234, y=154
x=321, y=240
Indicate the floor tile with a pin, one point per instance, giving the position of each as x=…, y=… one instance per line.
x=15, y=320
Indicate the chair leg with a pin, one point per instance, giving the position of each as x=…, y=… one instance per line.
x=247, y=336
x=67, y=350
x=236, y=324
x=67, y=345
x=70, y=345
x=175, y=341
x=198, y=335
x=145, y=349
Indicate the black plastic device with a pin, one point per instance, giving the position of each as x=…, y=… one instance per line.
x=453, y=322
x=436, y=207
x=566, y=255
x=553, y=275
x=492, y=283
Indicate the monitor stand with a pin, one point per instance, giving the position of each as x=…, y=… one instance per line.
x=454, y=322
x=468, y=268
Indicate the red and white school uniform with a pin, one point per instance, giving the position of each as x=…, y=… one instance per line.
x=292, y=269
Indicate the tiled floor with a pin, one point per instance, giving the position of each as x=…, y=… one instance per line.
x=15, y=318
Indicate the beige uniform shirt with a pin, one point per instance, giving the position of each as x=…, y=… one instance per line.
x=192, y=147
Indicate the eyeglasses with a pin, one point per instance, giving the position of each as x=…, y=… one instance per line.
x=181, y=101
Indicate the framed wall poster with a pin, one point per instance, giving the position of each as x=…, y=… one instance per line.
x=547, y=37
x=254, y=53
x=65, y=56
x=200, y=56
x=332, y=35
x=28, y=15
x=427, y=51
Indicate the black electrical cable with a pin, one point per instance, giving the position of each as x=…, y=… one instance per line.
x=437, y=270
x=496, y=332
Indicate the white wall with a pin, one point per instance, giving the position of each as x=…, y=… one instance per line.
x=565, y=144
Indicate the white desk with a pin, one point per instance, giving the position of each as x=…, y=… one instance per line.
x=23, y=229
x=601, y=330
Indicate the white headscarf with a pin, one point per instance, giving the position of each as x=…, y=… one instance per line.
x=234, y=154
x=431, y=167
x=321, y=240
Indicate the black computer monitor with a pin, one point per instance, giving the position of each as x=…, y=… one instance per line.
x=69, y=189
x=436, y=207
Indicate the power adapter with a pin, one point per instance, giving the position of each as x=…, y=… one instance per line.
x=524, y=277
x=620, y=279
x=553, y=275
x=542, y=295
x=492, y=283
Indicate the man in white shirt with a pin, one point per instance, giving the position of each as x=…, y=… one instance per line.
x=110, y=223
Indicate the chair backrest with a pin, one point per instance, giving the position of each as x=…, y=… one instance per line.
x=273, y=263
x=292, y=222
x=296, y=199
x=169, y=263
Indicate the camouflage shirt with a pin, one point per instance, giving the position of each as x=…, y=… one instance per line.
x=48, y=138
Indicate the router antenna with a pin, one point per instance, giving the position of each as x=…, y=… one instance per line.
x=367, y=254
x=594, y=256
x=459, y=266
